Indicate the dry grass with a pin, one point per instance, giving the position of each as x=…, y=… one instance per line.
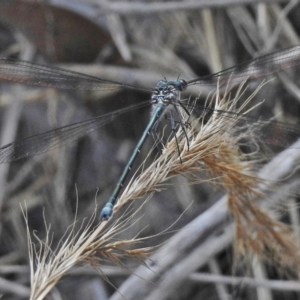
x=212, y=147
x=91, y=245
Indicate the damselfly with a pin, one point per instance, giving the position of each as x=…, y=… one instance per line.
x=165, y=95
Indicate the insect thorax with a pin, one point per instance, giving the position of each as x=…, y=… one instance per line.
x=167, y=92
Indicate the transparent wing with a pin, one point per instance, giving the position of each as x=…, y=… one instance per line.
x=45, y=76
x=49, y=140
x=254, y=69
x=42, y=75
x=269, y=132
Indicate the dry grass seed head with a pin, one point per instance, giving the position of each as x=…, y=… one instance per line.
x=90, y=245
x=214, y=147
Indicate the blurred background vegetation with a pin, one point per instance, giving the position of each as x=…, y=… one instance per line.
x=136, y=43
